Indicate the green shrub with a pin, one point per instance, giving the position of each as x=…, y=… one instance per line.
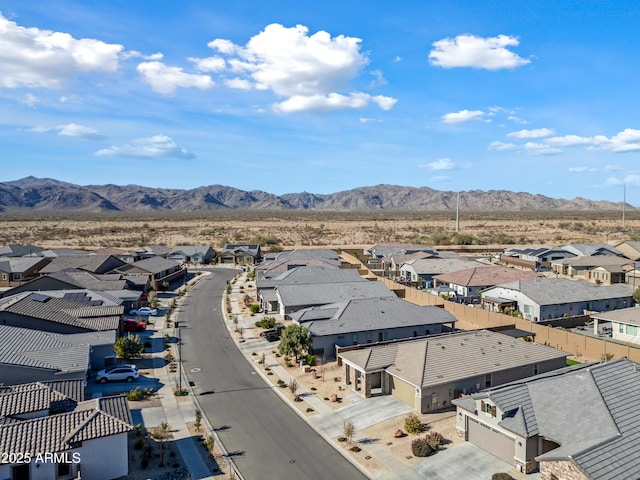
x=342, y=439
x=310, y=360
x=138, y=394
x=254, y=308
x=266, y=322
x=413, y=425
x=420, y=447
x=434, y=439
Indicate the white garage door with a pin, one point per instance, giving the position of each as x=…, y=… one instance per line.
x=489, y=439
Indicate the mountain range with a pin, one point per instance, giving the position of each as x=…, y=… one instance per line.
x=46, y=194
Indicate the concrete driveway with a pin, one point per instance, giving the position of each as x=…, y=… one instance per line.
x=465, y=461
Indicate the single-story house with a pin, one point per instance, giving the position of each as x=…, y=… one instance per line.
x=625, y=324
x=87, y=262
x=607, y=274
x=240, y=254
x=370, y=320
x=545, y=298
x=422, y=271
x=199, y=254
x=279, y=262
x=577, y=423
x=159, y=271
x=62, y=311
x=630, y=249
x=15, y=250
x=90, y=437
x=128, y=256
x=592, y=249
x=32, y=355
x=580, y=266
x=266, y=289
x=17, y=270
x=467, y=284
x=292, y=298
x=154, y=250
x=429, y=373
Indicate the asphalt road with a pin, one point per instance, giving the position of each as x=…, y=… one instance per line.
x=267, y=439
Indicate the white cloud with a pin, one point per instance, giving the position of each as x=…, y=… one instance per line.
x=164, y=79
x=39, y=129
x=135, y=54
x=332, y=101
x=462, y=116
x=378, y=78
x=515, y=119
x=568, y=140
x=31, y=57
x=157, y=146
x=209, y=64
x=535, y=133
x=309, y=71
x=80, y=131
x=477, y=52
x=540, y=149
x=369, y=120
x=632, y=179
x=441, y=164
x=582, y=169
x=238, y=83
x=397, y=58
x=30, y=100
x=626, y=141
x=502, y=147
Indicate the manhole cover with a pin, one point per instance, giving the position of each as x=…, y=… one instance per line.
x=195, y=370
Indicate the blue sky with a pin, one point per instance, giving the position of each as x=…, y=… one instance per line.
x=282, y=96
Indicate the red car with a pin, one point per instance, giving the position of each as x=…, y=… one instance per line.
x=131, y=325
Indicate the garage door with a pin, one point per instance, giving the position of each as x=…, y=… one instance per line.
x=494, y=442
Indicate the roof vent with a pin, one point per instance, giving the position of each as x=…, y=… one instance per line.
x=39, y=297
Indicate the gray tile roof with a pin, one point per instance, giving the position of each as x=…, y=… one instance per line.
x=237, y=248
x=153, y=265
x=589, y=249
x=436, y=266
x=57, y=433
x=83, y=309
x=15, y=250
x=591, y=410
x=34, y=348
x=19, y=264
x=114, y=405
x=311, y=275
x=624, y=315
x=551, y=291
x=92, y=263
x=55, y=395
x=485, y=276
x=322, y=294
x=446, y=358
x=91, y=281
x=367, y=314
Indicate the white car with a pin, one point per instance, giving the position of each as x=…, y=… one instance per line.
x=144, y=311
x=118, y=373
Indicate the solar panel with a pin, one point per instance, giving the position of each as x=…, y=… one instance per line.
x=38, y=297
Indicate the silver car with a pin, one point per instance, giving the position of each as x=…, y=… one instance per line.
x=118, y=373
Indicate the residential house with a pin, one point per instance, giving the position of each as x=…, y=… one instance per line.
x=292, y=298
x=62, y=311
x=547, y=298
x=380, y=262
x=369, y=320
x=159, y=272
x=128, y=256
x=607, y=274
x=15, y=250
x=276, y=263
x=72, y=280
x=467, y=284
x=154, y=251
x=202, y=254
x=422, y=271
x=625, y=324
x=581, y=266
x=577, y=423
x=630, y=249
x=90, y=263
x=592, y=250
x=533, y=257
x=266, y=289
x=391, y=264
x=61, y=436
x=17, y=270
x=429, y=373
x=240, y=254
x=632, y=277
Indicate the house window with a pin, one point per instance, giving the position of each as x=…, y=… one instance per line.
x=487, y=380
x=17, y=276
x=632, y=330
x=4, y=276
x=63, y=470
x=354, y=338
x=528, y=309
x=535, y=368
x=621, y=328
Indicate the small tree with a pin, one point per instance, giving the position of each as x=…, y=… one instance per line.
x=293, y=388
x=636, y=294
x=198, y=423
x=295, y=340
x=128, y=347
x=348, y=429
x=413, y=425
x=162, y=435
x=153, y=298
x=605, y=357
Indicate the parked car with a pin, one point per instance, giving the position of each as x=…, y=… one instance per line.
x=144, y=311
x=118, y=373
x=131, y=325
x=274, y=334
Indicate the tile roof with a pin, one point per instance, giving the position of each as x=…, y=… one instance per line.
x=551, y=291
x=624, y=315
x=322, y=294
x=92, y=263
x=91, y=281
x=441, y=359
x=367, y=314
x=600, y=432
x=435, y=266
x=46, y=350
x=83, y=309
x=152, y=265
x=485, y=276
x=55, y=395
x=19, y=264
x=311, y=275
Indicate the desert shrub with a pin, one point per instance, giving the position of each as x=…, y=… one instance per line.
x=501, y=476
x=254, y=308
x=266, y=322
x=413, y=425
x=434, y=439
x=138, y=394
x=310, y=360
x=420, y=447
x=128, y=347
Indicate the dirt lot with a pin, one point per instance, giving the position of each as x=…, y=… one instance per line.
x=277, y=230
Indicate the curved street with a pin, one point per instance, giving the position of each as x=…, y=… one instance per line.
x=266, y=438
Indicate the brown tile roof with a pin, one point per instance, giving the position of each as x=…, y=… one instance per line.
x=485, y=276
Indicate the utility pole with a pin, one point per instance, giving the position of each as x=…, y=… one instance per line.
x=624, y=201
x=458, y=213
